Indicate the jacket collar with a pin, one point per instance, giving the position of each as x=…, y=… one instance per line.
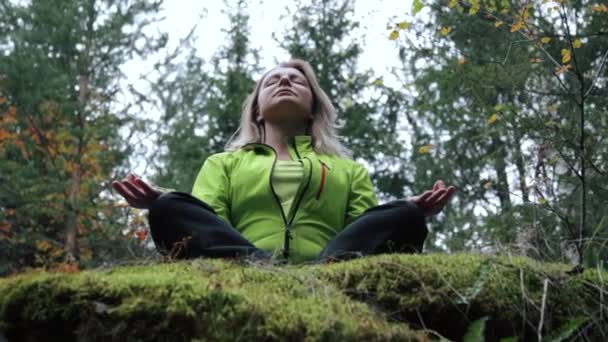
x=303, y=146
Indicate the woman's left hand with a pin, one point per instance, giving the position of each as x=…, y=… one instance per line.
x=432, y=201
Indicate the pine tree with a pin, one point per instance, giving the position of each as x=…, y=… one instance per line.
x=60, y=66
x=203, y=108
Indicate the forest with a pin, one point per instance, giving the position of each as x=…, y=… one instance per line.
x=504, y=99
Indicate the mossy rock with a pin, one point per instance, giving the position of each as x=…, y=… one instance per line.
x=386, y=297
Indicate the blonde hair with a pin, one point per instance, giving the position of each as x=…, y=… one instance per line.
x=323, y=129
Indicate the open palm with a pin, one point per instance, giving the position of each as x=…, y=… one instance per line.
x=432, y=201
x=136, y=192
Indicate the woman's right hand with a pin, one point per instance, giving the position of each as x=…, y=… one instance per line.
x=136, y=192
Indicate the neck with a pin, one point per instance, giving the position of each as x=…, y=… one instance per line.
x=278, y=137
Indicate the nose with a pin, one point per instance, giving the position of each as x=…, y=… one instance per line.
x=284, y=80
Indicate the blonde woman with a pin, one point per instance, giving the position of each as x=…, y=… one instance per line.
x=285, y=189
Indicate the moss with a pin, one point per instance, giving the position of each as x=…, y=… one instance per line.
x=385, y=297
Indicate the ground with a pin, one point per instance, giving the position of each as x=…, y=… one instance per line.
x=386, y=297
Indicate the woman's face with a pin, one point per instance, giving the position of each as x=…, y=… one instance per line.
x=285, y=97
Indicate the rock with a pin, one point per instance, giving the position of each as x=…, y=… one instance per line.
x=385, y=297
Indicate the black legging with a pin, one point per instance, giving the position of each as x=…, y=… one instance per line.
x=185, y=227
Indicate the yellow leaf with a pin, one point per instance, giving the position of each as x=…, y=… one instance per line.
x=542, y=201
x=43, y=245
x=600, y=8
x=562, y=69
x=517, y=26
x=403, y=25
x=488, y=185
x=426, y=148
x=566, y=56
x=499, y=107
x=498, y=23
x=545, y=40
x=452, y=3
x=394, y=35
x=492, y=118
x=474, y=9
x=577, y=43
x=121, y=204
x=378, y=81
x=462, y=60
x=445, y=30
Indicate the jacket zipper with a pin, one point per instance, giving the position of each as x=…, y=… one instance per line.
x=287, y=223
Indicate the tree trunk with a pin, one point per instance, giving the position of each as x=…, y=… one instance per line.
x=71, y=242
x=502, y=186
x=521, y=169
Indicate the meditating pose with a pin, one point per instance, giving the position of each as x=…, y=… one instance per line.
x=285, y=189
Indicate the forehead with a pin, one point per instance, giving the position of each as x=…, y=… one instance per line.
x=279, y=71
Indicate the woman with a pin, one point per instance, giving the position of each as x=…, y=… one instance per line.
x=285, y=188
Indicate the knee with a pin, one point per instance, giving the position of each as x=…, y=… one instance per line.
x=163, y=203
x=172, y=202
x=409, y=210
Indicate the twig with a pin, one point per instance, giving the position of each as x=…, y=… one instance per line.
x=597, y=75
x=542, y=310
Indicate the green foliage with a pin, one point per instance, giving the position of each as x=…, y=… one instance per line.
x=475, y=332
x=505, y=121
x=59, y=77
x=201, y=107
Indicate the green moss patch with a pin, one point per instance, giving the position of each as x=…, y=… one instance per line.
x=386, y=297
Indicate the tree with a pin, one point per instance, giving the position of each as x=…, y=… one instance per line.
x=502, y=75
x=203, y=109
x=60, y=67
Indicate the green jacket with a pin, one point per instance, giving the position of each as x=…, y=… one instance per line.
x=332, y=193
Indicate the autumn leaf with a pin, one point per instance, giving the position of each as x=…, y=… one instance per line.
x=566, y=56
x=394, y=35
x=552, y=108
x=577, y=43
x=492, y=118
x=600, y=8
x=462, y=60
x=474, y=9
x=67, y=268
x=545, y=40
x=141, y=234
x=5, y=227
x=43, y=245
x=498, y=23
x=562, y=69
x=445, y=30
x=426, y=148
x=536, y=60
x=2, y=100
x=517, y=26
